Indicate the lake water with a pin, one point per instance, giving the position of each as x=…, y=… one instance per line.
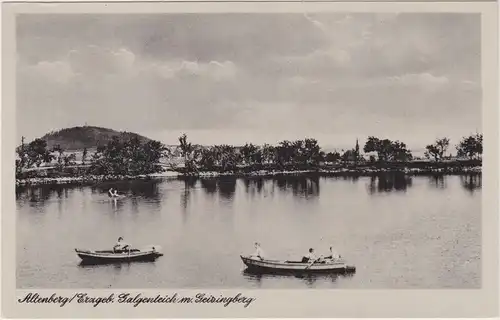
x=399, y=232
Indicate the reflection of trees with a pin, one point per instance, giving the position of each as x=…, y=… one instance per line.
x=387, y=182
x=209, y=185
x=41, y=194
x=135, y=205
x=438, y=181
x=300, y=186
x=227, y=187
x=224, y=186
x=352, y=178
x=471, y=182
x=189, y=183
x=21, y=191
x=254, y=185
x=145, y=189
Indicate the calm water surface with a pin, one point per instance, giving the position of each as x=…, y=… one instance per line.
x=400, y=232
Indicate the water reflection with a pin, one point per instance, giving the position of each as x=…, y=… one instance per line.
x=117, y=205
x=209, y=186
x=227, y=187
x=115, y=265
x=309, y=279
x=351, y=177
x=243, y=220
x=387, y=182
x=254, y=186
x=146, y=189
x=471, y=182
x=438, y=181
x=223, y=186
x=307, y=187
x=37, y=196
x=300, y=186
x=189, y=184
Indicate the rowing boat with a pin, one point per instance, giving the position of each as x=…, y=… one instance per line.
x=110, y=256
x=277, y=266
x=118, y=196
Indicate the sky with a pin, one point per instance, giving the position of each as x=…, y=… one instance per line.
x=236, y=78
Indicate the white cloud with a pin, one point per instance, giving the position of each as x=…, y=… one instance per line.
x=396, y=68
x=214, y=70
x=89, y=62
x=317, y=24
x=95, y=60
x=424, y=80
x=53, y=71
x=334, y=56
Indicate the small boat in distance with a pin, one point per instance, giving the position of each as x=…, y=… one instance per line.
x=113, y=194
x=110, y=256
x=277, y=266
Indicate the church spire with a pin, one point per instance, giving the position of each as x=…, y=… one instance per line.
x=356, y=151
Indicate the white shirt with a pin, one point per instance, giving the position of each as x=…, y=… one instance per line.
x=334, y=254
x=120, y=245
x=258, y=252
x=311, y=256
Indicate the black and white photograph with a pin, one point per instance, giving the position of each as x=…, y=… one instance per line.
x=223, y=150
x=249, y=150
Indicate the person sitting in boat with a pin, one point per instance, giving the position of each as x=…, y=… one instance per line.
x=120, y=245
x=333, y=255
x=259, y=253
x=310, y=257
x=113, y=193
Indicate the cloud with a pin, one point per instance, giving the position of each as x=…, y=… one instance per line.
x=95, y=60
x=88, y=62
x=334, y=73
x=317, y=24
x=53, y=71
x=215, y=70
x=424, y=80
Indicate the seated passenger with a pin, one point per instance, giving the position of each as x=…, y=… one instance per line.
x=333, y=255
x=120, y=245
x=259, y=253
x=310, y=257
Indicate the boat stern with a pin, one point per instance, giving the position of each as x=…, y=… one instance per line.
x=350, y=269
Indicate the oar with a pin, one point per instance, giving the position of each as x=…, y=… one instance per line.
x=310, y=265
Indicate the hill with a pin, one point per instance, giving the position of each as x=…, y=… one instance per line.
x=78, y=138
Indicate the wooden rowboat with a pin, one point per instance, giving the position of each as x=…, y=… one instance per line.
x=110, y=256
x=277, y=266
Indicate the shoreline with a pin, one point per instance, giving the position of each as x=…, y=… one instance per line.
x=358, y=172
x=88, y=180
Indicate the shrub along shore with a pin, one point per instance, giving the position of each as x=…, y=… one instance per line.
x=133, y=159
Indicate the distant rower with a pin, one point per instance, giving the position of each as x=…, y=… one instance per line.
x=112, y=193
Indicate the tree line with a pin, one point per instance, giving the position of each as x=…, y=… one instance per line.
x=307, y=154
x=130, y=157
x=135, y=157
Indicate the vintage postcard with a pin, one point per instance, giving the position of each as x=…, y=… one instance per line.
x=249, y=159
